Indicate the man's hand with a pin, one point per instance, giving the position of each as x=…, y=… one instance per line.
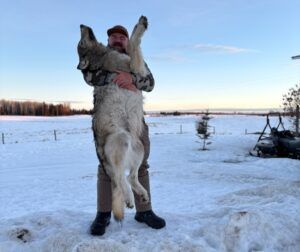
x=124, y=80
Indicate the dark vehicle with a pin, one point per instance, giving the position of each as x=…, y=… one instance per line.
x=278, y=143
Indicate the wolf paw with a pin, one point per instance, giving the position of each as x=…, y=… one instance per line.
x=144, y=198
x=143, y=21
x=129, y=204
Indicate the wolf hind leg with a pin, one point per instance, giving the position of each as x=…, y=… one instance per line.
x=137, y=187
x=121, y=195
x=116, y=152
x=127, y=192
x=136, y=161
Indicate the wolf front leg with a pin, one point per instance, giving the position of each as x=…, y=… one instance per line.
x=136, y=159
x=137, y=65
x=138, y=31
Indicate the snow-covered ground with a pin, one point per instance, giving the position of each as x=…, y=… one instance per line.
x=216, y=200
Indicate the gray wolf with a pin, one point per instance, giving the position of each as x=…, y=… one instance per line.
x=118, y=113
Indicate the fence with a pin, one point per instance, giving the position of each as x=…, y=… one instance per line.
x=59, y=135
x=157, y=126
x=43, y=135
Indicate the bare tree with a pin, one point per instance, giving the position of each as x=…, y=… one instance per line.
x=36, y=108
x=291, y=104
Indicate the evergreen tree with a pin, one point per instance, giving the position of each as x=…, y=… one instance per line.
x=202, y=129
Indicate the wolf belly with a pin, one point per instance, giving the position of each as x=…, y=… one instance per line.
x=116, y=108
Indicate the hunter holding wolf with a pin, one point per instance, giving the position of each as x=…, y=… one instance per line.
x=118, y=39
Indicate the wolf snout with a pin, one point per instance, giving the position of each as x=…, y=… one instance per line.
x=83, y=27
x=83, y=64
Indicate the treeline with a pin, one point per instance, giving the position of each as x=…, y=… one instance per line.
x=178, y=113
x=32, y=108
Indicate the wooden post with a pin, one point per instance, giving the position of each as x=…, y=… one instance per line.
x=55, y=138
x=3, y=138
x=297, y=120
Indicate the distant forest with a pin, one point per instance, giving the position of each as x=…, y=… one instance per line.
x=38, y=109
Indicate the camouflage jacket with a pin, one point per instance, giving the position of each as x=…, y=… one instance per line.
x=144, y=83
x=102, y=78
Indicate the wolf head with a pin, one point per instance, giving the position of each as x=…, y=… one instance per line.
x=89, y=50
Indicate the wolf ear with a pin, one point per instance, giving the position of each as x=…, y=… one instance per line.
x=91, y=35
x=83, y=64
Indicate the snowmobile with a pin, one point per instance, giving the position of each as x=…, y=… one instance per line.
x=278, y=143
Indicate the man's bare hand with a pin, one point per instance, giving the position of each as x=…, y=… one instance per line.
x=124, y=80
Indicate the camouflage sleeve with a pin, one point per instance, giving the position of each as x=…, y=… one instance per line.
x=144, y=83
x=96, y=78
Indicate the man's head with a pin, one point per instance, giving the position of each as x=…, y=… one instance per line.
x=118, y=38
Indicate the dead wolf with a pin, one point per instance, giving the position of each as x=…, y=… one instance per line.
x=118, y=113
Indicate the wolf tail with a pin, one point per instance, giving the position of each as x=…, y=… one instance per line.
x=117, y=203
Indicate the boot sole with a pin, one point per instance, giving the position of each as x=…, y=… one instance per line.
x=100, y=233
x=142, y=221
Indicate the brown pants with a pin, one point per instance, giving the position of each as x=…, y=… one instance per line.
x=104, y=192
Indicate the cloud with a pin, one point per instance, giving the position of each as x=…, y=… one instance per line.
x=169, y=56
x=221, y=48
x=182, y=53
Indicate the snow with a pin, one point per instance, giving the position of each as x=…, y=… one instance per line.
x=216, y=200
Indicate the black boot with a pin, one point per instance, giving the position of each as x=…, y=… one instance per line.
x=100, y=223
x=151, y=219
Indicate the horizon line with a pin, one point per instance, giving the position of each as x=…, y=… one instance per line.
x=155, y=110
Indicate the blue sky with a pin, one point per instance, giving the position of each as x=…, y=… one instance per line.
x=203, y=54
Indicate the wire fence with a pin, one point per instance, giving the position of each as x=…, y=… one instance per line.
x=17, y=136
x=68, y=134
x=43, y=135
x=80, y=129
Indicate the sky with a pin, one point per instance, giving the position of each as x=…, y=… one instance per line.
x=203, y=54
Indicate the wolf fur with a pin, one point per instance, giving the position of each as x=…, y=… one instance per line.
x=118, y=114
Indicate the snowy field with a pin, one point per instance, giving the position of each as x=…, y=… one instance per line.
x=216, y=200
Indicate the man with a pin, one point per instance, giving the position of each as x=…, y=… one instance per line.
x=118, y=40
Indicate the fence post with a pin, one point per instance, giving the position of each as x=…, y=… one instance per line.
x=180, y=128
x=246, y=132
x=297, y=119
x=3, y=142
x=55, y=138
